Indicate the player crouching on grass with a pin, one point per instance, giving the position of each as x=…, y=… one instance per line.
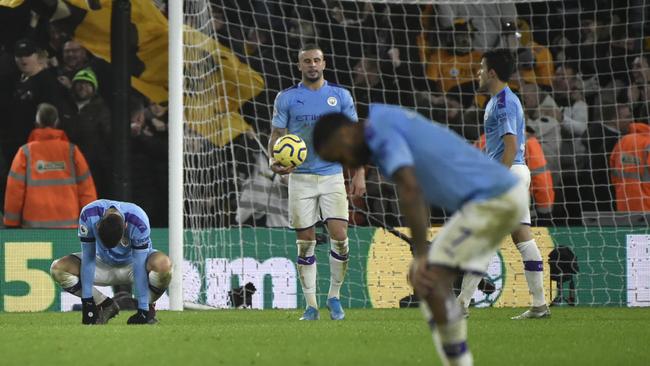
x=115, y=250
x=432, y=165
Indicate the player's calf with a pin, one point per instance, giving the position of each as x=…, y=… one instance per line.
x=160, y=274
x=445, y=318
x=65, y=272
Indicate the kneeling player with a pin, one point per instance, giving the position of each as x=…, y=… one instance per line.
x=115, y=250
x=431, y=164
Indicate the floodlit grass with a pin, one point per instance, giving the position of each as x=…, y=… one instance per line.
x=573, y=336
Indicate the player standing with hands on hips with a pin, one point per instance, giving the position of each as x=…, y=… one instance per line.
x=505, y=141
x=316, y=188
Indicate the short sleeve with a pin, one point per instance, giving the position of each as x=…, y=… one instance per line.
x=139, y=229
x=85, y=232
x=389, y=149
x=507, y=120
x=348, y=106
x=141, y=239
x=280, y=113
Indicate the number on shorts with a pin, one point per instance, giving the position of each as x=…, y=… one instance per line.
x=465, y=233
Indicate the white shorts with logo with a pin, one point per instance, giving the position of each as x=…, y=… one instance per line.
x=473, y=234
x=111, y=275
x=316, y=197
x=523, y=173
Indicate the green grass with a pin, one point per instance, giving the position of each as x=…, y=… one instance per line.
x=573, y=336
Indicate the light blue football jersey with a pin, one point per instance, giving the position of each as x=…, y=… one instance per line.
x=450, y=171
x=504, y=115
x=134, y=248
x=298, y=108
x=137, y=235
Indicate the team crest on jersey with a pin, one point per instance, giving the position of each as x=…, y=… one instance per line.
x=83, y=230
x=332, y=101
x=454, y=72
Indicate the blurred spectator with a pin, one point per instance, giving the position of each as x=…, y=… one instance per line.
x=372, y=85
x=567, y=92
x=452, y=68
x=486, y=18
x=36, y=85
x=57, y=38
x=639, y=91
x=90, y=128
x=534, y=61
x=600, y=139
x=542, y=117
x=75, y=58
x=630, y=169
x=49, y=181
x=149, y=163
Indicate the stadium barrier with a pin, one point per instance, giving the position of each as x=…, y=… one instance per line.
x=614, y=269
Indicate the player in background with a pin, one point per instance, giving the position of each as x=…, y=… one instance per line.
x=316, y=187
x=115, y=250
x=430, y=164
x=505, y=139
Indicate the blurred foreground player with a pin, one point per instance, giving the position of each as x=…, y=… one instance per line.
x=115, y=250
x=431, y=164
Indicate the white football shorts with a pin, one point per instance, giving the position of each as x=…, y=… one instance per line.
x=473, y=234
x=110, y=275
x=523, y=173
x=316, y=197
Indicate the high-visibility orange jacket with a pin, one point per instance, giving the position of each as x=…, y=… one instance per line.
x=48, y=184
x=630, y=169
x=541, y=180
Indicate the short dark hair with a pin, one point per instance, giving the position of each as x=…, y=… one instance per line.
x=310, y=47
x=326, y=127
x=501, y=61
x=110, y=230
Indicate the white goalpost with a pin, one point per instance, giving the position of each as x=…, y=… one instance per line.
x=176, y=122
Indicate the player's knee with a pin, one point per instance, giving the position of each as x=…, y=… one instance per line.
x=162, y=264
x=338, y=229
x=55, y=269
x=58, y=268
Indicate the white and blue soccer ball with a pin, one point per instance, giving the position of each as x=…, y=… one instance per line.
x=290, y=151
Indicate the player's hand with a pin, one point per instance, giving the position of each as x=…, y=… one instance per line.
x=141, y=317
x=89, y=312
x=358, y=184
x=422, y=279
x=278, y=168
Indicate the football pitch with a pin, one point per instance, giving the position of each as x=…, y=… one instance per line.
x=573, y=336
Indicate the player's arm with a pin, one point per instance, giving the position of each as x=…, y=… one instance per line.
x=507, y=122
x=413, y=208
x=509, y=149
x=358, y=183
x=88, y=251
x=140, y=248
x=279, y=124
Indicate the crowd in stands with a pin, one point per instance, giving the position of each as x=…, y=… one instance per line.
x=583, y=75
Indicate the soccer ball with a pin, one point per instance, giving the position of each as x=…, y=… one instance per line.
x=290, y=150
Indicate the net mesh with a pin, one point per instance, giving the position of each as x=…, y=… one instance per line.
x=583, y=75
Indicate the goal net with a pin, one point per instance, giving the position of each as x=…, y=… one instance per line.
x=584, y=80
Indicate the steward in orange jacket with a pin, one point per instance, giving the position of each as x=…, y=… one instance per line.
x=49, y=181
x=541, y=181
x=630, y=169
